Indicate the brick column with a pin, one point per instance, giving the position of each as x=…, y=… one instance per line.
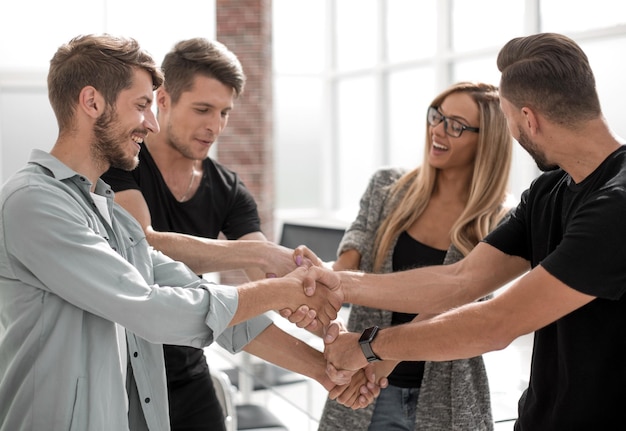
x=246, y=145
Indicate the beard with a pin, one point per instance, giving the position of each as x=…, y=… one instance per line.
x=110, y=142
x=538, y=156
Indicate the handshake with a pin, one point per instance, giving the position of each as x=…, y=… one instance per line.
x=356, y=382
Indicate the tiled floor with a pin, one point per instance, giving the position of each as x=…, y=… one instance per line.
x=299, y=405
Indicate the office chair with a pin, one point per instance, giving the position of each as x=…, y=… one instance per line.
x=240, y=417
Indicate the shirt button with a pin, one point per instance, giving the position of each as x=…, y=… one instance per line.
x=147, y=400
x=135, y=354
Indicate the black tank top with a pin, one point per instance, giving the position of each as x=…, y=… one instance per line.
x=408, y=254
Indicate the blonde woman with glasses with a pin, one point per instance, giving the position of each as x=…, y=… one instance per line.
x=432, y=215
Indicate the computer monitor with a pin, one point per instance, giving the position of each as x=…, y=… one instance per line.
x=323, y=240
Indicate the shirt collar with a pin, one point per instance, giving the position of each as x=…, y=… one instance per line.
x=46, y=160
x=61, y=171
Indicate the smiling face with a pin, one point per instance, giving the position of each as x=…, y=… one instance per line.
x=198, y=118
x=120, y=129
x=447, y=152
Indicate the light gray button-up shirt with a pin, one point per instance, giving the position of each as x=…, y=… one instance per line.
x=66, y=277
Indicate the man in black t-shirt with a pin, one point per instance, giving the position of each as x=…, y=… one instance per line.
x=566, y=239
x=183, y=200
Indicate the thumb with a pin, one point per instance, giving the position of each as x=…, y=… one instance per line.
x=331, y=333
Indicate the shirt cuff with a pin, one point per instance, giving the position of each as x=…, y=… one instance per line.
x=222, y=308
x=235, y=338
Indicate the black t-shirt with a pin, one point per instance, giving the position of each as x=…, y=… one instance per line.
x=577, y=232
x=408, y=254
x=221, y=204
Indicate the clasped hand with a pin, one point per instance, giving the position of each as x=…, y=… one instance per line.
x=358, y=384
x=317, y=306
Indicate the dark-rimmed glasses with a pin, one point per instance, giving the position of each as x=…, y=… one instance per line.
x=451, y=126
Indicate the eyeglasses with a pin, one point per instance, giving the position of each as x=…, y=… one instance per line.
x=451, y=126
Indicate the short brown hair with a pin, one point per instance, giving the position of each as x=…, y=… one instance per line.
x=201, y=56
x=102, y=61
x=550, y=73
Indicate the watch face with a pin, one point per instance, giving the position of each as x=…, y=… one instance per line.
x=366, y=338
x=368, y=334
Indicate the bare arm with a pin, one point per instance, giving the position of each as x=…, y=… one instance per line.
x=348, y=260
x=434, y=289
x=532, y=302
x=427, y=290
x=278, y=347
x=259, y=296
x=257, y=256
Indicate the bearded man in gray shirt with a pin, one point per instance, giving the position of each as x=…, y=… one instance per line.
x=85, y=303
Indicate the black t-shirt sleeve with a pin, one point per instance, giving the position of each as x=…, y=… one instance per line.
x=120, y=180
x=510, y=237
x=591, y=257
x=591, y=254
x=243, y=216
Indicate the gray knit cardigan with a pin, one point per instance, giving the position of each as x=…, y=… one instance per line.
x=454, y=394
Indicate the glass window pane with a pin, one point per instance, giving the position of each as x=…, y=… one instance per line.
x=298, y=142
x=299, y=36
x=19, y=110
x=411, y=29
x=410, y=93
x=478, y=69
x=194, y=18
x=355, y=148
x=609, y=79
x=357, y=34
x=74, y=17
x=563, y=16
x=480, y=24
x=32, y=31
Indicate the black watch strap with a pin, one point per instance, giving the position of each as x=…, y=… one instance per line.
x=365, y=341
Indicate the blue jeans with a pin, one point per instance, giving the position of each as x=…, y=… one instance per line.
x=395, y=409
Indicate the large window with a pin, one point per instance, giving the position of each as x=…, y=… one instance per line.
x=32, y=30
x=353, y=79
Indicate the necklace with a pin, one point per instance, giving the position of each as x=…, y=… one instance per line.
x=193, y=175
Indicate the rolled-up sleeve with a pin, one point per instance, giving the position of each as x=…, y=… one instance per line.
x=236, y=337
x=224, y=300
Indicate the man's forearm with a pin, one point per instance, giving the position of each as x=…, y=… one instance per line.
x=435, y=289
x=204, y=255
x=416, y=291
x=278, y=347
x=457, y=334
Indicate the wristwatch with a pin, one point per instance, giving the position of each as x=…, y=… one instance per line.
x=367, y=337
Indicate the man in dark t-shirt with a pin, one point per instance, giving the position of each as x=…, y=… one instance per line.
x=184, y=200
x=566, y=241
x=221, y=203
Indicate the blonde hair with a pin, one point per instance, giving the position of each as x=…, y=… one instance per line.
x=487, y=188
